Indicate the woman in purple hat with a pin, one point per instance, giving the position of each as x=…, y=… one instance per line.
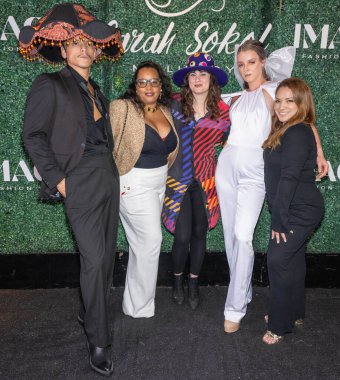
x=191, y=206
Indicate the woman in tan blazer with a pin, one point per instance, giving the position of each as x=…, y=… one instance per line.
x=146, y=144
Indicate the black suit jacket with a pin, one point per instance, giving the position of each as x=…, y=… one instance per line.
x=55, y=127
x=289, y=177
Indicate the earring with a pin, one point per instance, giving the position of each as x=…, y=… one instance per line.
x=160, y=95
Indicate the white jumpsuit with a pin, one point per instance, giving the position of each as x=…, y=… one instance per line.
x=240, y=189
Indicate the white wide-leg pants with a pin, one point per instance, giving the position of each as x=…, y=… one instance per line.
x=142, y=195
x=241, y=190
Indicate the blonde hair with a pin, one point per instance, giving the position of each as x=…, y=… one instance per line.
x=303, y=98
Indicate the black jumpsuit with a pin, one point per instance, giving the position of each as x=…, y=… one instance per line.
x=296, y=205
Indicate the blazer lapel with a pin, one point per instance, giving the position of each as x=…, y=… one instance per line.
x=168, y=116
x=75, y=98
x=107, y=120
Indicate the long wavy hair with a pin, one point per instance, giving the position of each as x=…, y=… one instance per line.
x=213, y=98
x=166, y=94
x=303, y=98
x=259, y=49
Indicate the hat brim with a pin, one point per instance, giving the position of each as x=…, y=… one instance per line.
x=62, y=23
x=39, y=44
x=220, y=75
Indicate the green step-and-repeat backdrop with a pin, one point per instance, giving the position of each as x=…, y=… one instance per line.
x=167, y=31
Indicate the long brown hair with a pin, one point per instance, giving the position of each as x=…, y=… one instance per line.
x=258, y=48
x=303, y=98
x=213, y=98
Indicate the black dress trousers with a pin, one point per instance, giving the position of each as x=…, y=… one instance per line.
x=287, y=271
x=92, y=206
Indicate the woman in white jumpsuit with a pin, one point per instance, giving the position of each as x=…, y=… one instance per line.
x=239, y=173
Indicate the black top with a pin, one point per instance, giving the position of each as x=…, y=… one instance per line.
x=290, y=179
x=96, y=137
x=155, y=150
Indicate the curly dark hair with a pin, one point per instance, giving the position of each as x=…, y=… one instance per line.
x=213, y=98
x=131, y=93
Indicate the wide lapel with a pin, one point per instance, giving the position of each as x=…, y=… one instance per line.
x=75, y=98
x=107, y=119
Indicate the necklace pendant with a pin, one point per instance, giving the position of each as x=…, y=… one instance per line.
x=151, y=109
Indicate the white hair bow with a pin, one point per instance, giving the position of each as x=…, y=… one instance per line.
x=278, y=66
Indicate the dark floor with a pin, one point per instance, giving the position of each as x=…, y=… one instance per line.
x=41, y=339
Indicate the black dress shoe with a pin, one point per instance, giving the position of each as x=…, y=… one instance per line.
x=100, y=359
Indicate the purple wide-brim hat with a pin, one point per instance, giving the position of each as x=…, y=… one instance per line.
x=62, y=23
x=200, y=61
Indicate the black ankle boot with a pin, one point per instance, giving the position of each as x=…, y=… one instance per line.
x=178, y=290
x=194, y=299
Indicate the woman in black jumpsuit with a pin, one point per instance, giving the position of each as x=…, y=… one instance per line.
x=295, y=203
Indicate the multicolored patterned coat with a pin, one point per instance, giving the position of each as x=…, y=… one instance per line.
x=196, y=159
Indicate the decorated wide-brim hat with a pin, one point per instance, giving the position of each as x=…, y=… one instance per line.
x=65, y=22
x=200, y=61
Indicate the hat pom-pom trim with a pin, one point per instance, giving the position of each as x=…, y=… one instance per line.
x=30, y=51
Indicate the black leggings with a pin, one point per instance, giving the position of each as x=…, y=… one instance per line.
x=191, y=230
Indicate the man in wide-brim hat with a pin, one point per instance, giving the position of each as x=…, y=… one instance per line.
x=65, y=22
x=68, y=135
